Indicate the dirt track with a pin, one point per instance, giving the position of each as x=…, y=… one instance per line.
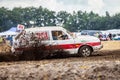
x=103, y=66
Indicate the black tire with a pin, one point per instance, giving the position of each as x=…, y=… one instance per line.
x=85, y=51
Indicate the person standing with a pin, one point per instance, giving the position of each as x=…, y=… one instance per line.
x=110, y=36
x=10, y=39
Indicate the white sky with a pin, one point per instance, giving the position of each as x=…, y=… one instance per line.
x=97, y=6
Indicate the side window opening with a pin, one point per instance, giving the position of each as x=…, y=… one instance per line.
x=59, y=35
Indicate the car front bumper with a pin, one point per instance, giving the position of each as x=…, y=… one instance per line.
x=97, y=48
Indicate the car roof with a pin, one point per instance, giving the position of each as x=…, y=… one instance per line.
x=44, y=28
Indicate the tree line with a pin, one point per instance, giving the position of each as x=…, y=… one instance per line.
x=31, y=16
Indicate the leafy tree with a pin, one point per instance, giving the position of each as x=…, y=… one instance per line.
x=43, y=17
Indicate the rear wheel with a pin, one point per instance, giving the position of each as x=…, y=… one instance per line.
x=85, y=51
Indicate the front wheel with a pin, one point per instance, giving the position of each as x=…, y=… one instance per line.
x=85, y=51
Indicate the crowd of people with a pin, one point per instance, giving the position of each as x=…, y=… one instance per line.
x=104, y=37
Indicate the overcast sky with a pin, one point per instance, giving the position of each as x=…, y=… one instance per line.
x=97, y=6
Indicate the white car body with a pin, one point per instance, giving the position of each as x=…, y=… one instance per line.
x=71, y=44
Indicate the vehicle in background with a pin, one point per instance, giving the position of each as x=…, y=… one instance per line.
x=90, y=32
x=116, y=37
x=95, y=33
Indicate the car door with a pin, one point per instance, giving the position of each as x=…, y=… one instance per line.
x=62, y=40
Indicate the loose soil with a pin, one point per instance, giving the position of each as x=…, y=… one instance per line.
x=105, y=65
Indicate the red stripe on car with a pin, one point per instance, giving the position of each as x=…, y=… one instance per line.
x=64, y=46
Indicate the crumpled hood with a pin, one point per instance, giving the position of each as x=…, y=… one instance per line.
x=87, y=38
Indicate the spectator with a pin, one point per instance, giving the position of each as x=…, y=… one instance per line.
x=100, y=36
x=2, y=40
x=96, y=34
x=110, y=36
x=105, y=36
x=10, y=39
